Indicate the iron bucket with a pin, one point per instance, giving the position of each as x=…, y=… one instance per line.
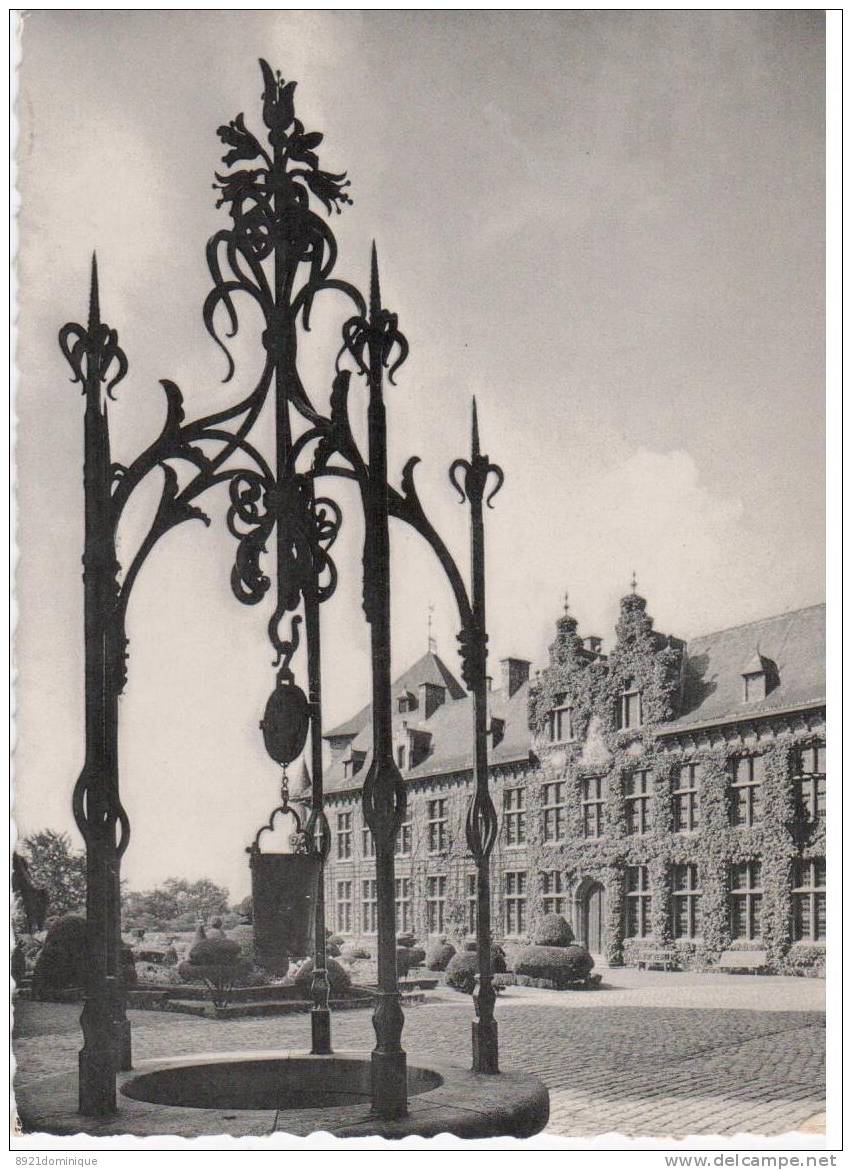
x=284, y=889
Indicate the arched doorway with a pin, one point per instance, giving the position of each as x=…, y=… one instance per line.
x=591, y=915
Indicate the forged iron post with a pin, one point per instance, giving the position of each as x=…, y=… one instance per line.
x=481, y=828
x=93, y=352
x=316, y=829
x=384, y=792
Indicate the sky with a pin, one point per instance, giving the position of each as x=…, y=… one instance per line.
x=608, y=226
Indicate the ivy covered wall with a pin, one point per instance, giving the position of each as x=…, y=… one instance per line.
x=652, y=664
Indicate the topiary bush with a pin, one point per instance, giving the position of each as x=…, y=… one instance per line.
x=352, y=951
x=62, y=962
x=552, y=931
x=561, y=965
x=332, y=950
x=498, y=955
x=339, y=979
x=438, y=954
x=217, y=962
x=409, y=957
x=406, y=940
x=335, y=940
x=214, y=951
x=462, y=970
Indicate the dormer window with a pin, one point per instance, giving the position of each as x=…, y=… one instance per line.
x=630, y=711
x=561, y=725
x=754, y=687
x=353, y=764
x=759, y=677
x=406, y=702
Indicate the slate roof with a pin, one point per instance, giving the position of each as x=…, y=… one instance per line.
x=451, y=728
x=428, y=669
x=713, y=692
x=713, y=685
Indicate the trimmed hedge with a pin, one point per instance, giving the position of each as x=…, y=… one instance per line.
x=214, y=952
x=552, y=931
x=339, y=979
x=352, y=952
x=507, y=979
x=63, y=962
x=462, y=970
x=562, y=965
x=498, y=955
x=408, y=957
x=439, y=954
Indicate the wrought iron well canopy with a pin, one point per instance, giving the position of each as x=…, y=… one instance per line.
x=279, y=252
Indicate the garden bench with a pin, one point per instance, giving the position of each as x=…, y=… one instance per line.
x=667, y=960
x=754, y=961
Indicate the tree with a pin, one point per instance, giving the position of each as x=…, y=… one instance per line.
x=149, y=908
x=177, y=902
x=59, y=868
x=202, y=898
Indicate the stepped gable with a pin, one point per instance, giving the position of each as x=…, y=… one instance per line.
x=793, y=643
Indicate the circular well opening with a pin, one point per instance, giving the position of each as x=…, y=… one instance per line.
x=267, y=1084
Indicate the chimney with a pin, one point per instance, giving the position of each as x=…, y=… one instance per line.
x=432, y=696
x=496, y=731
x=592, y=644
x=515, y=672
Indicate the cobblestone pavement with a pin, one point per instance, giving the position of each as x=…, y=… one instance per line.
x=647, y=1055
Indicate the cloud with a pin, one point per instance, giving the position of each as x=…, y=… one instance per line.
x=689, y=542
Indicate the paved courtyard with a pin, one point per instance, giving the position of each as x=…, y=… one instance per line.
x=649, y=1054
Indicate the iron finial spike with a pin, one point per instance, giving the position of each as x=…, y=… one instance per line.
x=565, y=607
x=375, y=291
x=94, y=295
x=633, y=582
x=474, y=432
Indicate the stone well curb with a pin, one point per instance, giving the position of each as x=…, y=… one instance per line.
x=466, y=1104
